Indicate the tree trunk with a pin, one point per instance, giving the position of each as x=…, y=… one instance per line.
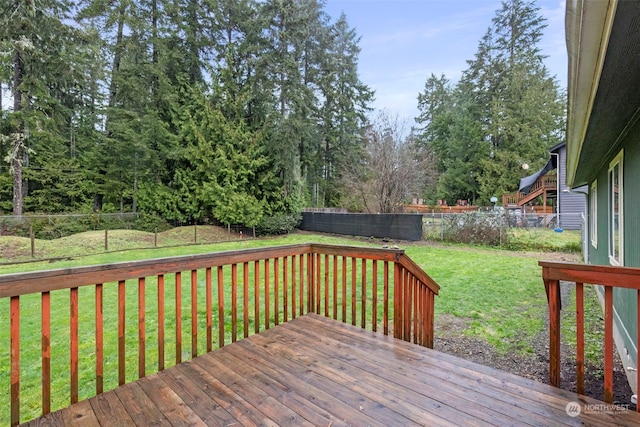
x=18, y=141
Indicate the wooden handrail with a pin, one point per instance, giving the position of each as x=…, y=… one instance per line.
x=609, y=277
x=546, y=182
x=144, y=303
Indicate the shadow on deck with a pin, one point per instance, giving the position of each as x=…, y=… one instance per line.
x=316, y=371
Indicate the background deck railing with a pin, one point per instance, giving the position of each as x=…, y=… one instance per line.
x=579, y=274
x=544, y=183
x=90, y=329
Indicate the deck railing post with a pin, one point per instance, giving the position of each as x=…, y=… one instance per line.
x=348, y=276
x=553, y=297
x=15, y=360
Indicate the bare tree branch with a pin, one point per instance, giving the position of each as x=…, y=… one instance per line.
x=393, y=168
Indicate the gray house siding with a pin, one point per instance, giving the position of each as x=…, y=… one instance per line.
x=571, y=204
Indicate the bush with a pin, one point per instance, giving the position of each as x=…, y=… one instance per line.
x=151, y=223
x=476, y=228
x=279, y=224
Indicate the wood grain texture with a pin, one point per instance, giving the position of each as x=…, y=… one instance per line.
x=316, y=371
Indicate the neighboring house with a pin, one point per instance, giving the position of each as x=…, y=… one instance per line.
x=550, y=183
x=603, y=141
x=572, y=204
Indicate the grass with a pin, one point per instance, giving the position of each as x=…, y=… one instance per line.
x=544, y=239
x=499, y=293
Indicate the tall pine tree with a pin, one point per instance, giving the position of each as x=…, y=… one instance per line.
x=505, y=111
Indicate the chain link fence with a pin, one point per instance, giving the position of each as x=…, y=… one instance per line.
x=116, y=232
x=501, y=227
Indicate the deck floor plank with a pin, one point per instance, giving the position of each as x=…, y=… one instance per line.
x=401, y=379
x=260, y=377
x=108, y=408
x=317, y=371
x=469, y=394
x=344, y=386
x=211, y=413
x=274, y=410
x=141, y=407
x=341, y=411
x=384, y=401
x=173, y=407
x=534, y=396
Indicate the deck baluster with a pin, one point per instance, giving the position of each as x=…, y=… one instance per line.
x=580, y=338
x=363, y=308
x=234, y=302
x=15, y=359
x=194, y=313
x=99, y=301
x=256, y=295
x=141, y=328
x=121, y=332
x=267, y=295
x=374, y=296
x=221, y=307
x=322, y=279
x=160, y=322
x=178, y=308
x=276, y=291
x=46, y=351
x=608, y=344
x=245, y=298
x=209, y=308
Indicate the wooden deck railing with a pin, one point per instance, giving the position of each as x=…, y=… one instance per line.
x=122, y=321
x=544, y=183
x=579, y=274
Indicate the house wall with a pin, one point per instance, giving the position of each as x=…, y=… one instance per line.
x=572, y=204
x=623, y=299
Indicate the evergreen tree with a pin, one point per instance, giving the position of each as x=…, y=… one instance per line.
x=345, y=102
x=48, y=81
x=505, y=111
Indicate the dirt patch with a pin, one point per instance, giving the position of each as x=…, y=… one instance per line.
x=450, y=338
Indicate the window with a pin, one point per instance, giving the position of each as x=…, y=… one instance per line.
x=616, y=211
x=593, y=214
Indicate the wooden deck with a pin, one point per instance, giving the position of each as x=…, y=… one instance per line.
x=318, y=372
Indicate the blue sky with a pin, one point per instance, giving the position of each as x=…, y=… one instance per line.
x=404, y=41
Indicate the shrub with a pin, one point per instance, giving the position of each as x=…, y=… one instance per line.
x=151, y=223
x=475, y=228
x=278, y=224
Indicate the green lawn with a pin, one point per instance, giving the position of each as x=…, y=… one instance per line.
x=499, y=293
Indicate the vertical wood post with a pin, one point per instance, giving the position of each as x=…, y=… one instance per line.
x=15, y=360
x=106, y=239
x=99, y=335
x=579, y=338
x=194, y=313
x=74, y=318
x=121, y=332
x=608, y=344
x=160, y=322
x=553, y=297
x=142, y=335
x=46, y=351
x=397, y=300
x=178, y=310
